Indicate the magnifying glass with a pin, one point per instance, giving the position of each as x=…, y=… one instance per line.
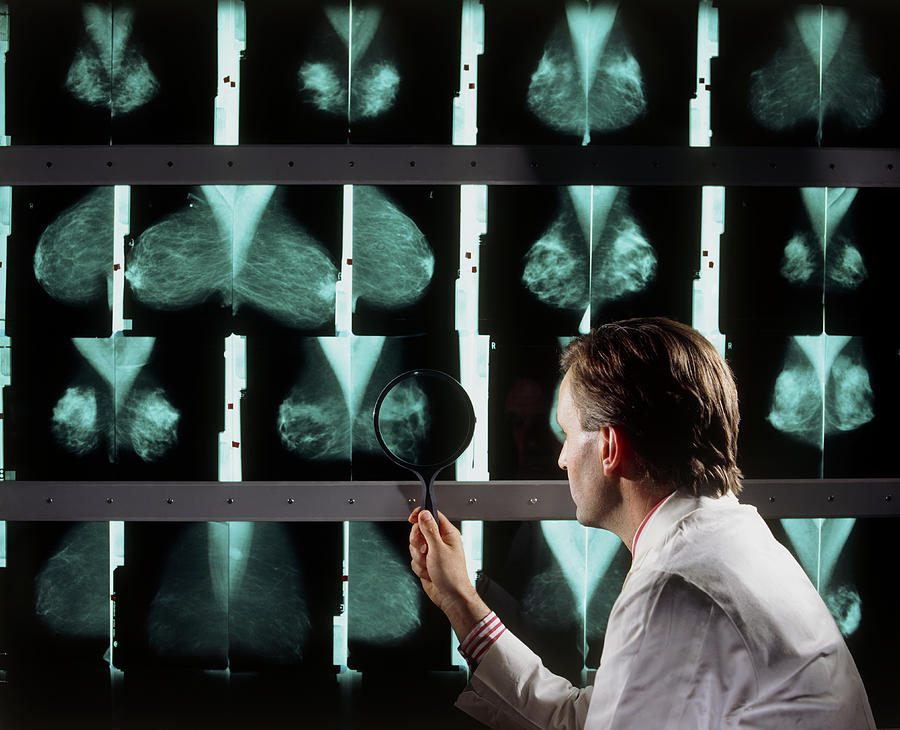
x=424, y=421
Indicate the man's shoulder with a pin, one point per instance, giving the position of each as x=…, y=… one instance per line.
x=737, y=566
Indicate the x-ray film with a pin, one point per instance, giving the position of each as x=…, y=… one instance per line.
x=587, y=72
x=234, y=258
x=60, y=267
x=524, y=439
x=815, y=406
x=242, y=595
x=405, y=259
x=57, y=611
x=220, y=605
x=553, y=583
x=392, y=626
x=114, y=408
x=372, y=72
x=836, y=555
x=817, y=254
x=120, y=72
x=565, y=259
x=307, y=409
x=858, y=290
x=805, y=74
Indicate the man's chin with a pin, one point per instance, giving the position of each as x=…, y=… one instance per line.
x=582, y=518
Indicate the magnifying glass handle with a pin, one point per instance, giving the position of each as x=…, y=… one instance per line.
x=430, y=504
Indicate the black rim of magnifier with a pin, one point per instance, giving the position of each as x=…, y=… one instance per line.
x=460, y=448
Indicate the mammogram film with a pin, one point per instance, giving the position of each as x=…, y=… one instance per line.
x=834, y=553
x=114, y=407
x=234, y=250
x=576, y=256
x=805, y=74
x=56, y=624
x=553, y=583
x=586, y=72
x=310, y=400
x=815, y=406
x=818, y=253
x=350, y=72
x=405, y=259
x=61, y=261
x=116, y=73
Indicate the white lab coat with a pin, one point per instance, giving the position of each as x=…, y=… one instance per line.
x=717, y=626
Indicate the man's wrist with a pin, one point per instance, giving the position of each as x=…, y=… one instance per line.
x=465, y=612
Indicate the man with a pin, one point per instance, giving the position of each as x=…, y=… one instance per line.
x=717, y=626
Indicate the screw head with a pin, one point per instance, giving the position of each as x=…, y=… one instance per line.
x=533, y=500
x=352, y=500
x=290, y=500
x=473, y=500
x=169, y=500
x=230, y=500
x=831, y=498
x=411, y=500
x=49, y=500
x=109, y=500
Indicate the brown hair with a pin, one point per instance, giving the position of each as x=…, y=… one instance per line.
x=667, y=388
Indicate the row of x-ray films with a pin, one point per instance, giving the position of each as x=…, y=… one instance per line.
x=800, y=285
x=389, y=72
x=246, y=259
x=215, y=623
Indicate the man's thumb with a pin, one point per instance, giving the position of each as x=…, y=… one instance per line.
x=429, y=528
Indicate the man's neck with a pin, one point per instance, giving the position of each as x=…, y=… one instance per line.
x=638, y=501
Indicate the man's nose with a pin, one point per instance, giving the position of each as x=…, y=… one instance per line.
x=562, y=457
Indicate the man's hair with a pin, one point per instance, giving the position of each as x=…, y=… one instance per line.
x=667, y=388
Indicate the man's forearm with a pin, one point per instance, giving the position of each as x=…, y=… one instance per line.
x=465, y=612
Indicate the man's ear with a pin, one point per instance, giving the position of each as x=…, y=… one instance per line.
x=614, y=447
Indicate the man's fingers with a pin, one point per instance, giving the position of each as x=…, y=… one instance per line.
x=419, y=569
x=418, y=551
x=429, y=529
x=414, y=515
x=416, y=540
x=449, y=534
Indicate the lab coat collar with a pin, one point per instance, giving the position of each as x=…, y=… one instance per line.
x=671, y=511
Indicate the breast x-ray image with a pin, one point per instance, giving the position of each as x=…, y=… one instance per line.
x=815, y=406
x=554, y=582
x=114, y=408
x=405, y=259
x=808, y=74
x=60, y=266
x=586, y=72
x=234, y=258
x=307, y=408
x=797, y=260
x=113, y=71
x=350, y=72
x=568, y=258
x=833, y=553
x=55, y=613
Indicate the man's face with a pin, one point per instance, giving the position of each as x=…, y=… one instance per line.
x=580, y=457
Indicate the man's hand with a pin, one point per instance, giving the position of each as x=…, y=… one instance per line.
x=439, y=562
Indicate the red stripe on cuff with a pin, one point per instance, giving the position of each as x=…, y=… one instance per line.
x=487, y=643
x=481, y=637
x=488, y=623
